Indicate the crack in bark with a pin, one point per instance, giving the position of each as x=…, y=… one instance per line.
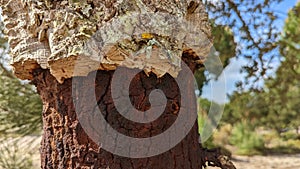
x=61, y=126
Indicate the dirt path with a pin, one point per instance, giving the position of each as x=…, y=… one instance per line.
x=268, y=162
x=241, y=162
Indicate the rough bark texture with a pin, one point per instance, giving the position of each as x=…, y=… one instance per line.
x=48, y=37
x=55, y=34
x=66, y=145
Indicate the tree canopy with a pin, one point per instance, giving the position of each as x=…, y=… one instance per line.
x=277, y=105
x=254, y=28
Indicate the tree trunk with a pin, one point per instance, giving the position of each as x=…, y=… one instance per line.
x=55, y=43
x=66, y=145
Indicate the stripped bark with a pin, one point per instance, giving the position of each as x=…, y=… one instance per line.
x=48, y=38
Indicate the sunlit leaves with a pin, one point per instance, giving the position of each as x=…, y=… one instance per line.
x=253, y=24
x=277, y=106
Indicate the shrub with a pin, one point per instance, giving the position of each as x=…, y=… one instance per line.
x=18, y=153
x=245, y=139
x=221, y=136
x=289, y=135
x=13, y=158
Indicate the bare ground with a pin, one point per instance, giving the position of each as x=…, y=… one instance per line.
x=266, y=162
x=241, y=162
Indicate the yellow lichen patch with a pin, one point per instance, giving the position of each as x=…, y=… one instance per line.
x=56, y=35
x=147, y=35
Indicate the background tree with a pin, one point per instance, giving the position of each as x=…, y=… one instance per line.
x=253, y=24
x=230, y=18
x=284, y=90
x=257, y=46
x=225, y=48
x=49, y=36
x=275, y=106
x=20, y=106
x=20, y=117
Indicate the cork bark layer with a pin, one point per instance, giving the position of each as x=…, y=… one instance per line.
x=101, y=35
x=66, y=145
x=53, y=42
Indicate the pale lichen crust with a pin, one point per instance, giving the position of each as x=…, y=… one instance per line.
x=91, y=35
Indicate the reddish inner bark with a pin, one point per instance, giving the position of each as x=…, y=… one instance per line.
x=66, y=145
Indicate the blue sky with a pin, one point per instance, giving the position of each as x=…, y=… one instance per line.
x=231, y=73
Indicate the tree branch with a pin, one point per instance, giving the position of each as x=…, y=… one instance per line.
x=6, y=72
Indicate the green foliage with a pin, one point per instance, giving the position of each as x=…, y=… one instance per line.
x=224, y=42
x=222, y=135
x=284, y=143
x=203, y=109
x=209, y=114
x=14, y=157
x=255, y=31
x=224, y=45
x=209, y=143
x=203, y=118
x=20, y=115
x=246, y=139
x=290, y=135
x=269, y=137
x=284, y=89
x=20, y=106
x=277, y=106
